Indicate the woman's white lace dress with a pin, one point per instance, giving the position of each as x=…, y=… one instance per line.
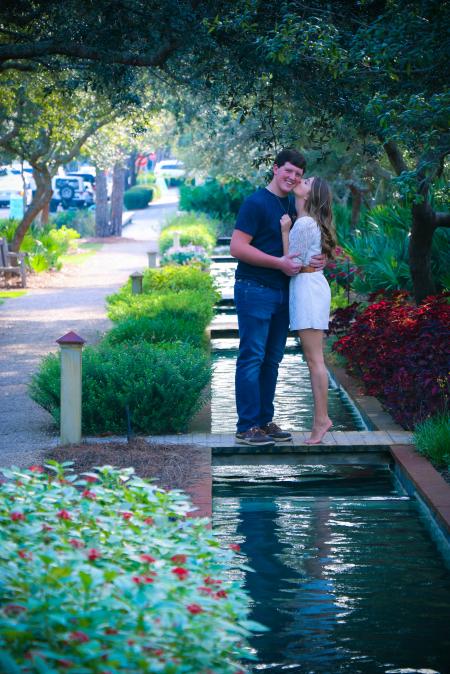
x=309, y=293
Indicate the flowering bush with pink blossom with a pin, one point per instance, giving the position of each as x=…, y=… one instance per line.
x=105, y=573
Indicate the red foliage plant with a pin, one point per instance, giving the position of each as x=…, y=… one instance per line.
x=401, y=351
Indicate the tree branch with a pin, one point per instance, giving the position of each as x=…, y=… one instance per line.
x=395, y=157
x=92, y=128
x=50, y=47
x=430, y=165
x=442, y=219
x=18, y=65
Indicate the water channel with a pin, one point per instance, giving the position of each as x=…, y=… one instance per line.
x=345, y=573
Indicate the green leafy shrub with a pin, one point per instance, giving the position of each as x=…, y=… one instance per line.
x=44, y=244
x=432, y=438
x=195, y=235
x=137, y=197
x=160, y=328
x=8, y=227
x=339, y=296
x=379, y=249
x=159, y=286
x=148, y=179
x=220, y=199
x=182, y=220
x=185, y=305
x=81, y=220
x=174, y=279
x=49, y=245
x=161, y=386
x=105, y=572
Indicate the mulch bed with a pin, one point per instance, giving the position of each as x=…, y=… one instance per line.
x=169, y=466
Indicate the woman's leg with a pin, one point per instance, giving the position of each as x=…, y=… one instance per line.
x=312, y=344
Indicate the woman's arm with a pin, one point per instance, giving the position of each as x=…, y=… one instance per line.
x=285, y=224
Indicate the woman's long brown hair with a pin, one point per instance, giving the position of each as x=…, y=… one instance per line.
x=318, y=205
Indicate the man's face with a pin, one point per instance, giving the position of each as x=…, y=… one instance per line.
x=287, y=176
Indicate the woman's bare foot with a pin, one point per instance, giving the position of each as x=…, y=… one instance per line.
x=318, y=431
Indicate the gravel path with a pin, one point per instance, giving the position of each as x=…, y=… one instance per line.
x=73, y=299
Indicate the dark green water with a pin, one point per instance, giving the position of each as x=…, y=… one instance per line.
x=347, y=577
x=293, y=398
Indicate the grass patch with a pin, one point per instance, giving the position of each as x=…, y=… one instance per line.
x=4, y=294
x=83, y=253
x=432, y=438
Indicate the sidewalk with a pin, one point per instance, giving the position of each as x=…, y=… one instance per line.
x=73, y=299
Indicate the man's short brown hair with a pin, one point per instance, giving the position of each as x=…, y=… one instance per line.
x=292, y=156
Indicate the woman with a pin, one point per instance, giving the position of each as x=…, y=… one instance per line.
x=309, y=292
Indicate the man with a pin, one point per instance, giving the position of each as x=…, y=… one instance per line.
x=262, y=299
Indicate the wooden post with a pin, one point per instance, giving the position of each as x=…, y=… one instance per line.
x=70, y=428
x=176, y=239
x=136, y=282
x=151, y=259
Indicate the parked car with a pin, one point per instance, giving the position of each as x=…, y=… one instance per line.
x=71, y=191
x=171, y=169
x=12, y=186
x=86, y=176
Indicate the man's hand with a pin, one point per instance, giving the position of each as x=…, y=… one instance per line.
x=286, y=223
x=288, y=265
x=319, y=262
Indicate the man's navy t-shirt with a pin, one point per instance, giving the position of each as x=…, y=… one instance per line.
x=259, y=216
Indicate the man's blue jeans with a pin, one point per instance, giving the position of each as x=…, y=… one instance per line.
x=263, y=317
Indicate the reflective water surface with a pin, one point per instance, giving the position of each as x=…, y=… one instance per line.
x=293, y=399
x=347, y=577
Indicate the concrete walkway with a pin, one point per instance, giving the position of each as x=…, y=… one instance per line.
x=73, y=299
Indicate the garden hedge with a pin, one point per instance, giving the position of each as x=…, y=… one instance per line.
x=160, y=385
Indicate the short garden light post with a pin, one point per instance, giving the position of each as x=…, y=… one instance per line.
x=151, y=258
x=70, y=427
x=176, y=239
x=136, y=282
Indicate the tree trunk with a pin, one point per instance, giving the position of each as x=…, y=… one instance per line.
x=132, y=177
x=40, y=200
x=45, y=213
x=422, y=230
x=101, y=204
x=118, y=188
x=357, y=200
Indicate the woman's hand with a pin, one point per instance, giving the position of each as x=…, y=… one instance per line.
x=286, y=223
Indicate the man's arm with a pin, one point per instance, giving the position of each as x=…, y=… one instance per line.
x=241, y=249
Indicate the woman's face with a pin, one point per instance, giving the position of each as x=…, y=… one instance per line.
x=304, y=187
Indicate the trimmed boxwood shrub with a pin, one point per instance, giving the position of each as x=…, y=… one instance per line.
x=401, y=352
x=178, y=278
x=160, y=385
x=164, y=327
x=105, y=572
x=137, y=197
x=186, y=305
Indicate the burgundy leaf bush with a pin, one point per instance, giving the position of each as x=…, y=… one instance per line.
x=401, y=353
